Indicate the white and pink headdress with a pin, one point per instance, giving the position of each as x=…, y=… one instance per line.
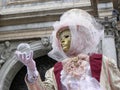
x=85, y=34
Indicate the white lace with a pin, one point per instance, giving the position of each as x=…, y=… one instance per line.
x=86, y=82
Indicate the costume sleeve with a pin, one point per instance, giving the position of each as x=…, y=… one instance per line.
x=114, y=74
x=48, y=84
x=110, y=74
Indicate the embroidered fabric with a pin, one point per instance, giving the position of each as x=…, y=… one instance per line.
x=76, y=66
x=84, y=82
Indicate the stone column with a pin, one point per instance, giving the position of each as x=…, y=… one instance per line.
x=118, y=52
x=108, y=47
x=118, y=43
x=108, y=43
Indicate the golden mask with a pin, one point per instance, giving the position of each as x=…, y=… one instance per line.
x=65, y=39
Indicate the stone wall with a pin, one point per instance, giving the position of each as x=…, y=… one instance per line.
x=11, y=65
x=29, y=21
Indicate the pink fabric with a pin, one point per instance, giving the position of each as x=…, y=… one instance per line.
x=95, y=64
x=35, y=85
x=76, y=67
x=57, y=69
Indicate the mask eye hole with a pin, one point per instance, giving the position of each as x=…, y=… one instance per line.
x=66, y=36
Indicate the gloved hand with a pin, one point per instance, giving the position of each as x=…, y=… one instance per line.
x=27, y=60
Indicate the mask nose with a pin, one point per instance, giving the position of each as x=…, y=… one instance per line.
x=62, y=41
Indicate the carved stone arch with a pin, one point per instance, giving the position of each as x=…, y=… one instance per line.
x=12, y=66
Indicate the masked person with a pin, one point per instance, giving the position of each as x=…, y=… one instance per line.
x=75, y=39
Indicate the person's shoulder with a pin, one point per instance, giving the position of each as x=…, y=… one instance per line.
x=58, y=64
x=96, y=56
x=49, y=71
x=111, y=62
x=108, y=58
